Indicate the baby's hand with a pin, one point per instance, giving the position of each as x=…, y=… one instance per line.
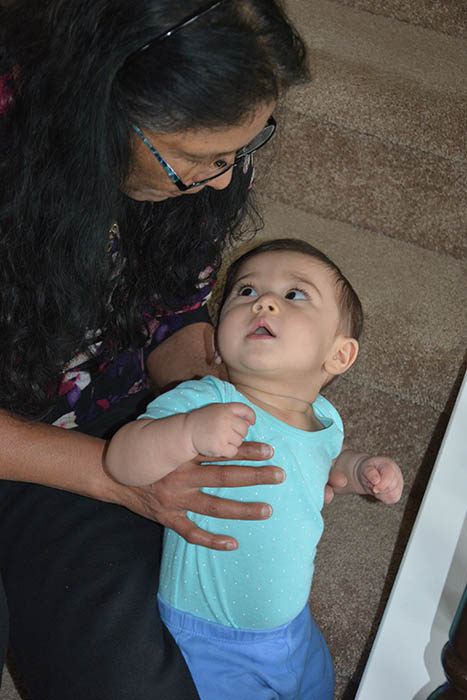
x=381, y=477
x=219, y=429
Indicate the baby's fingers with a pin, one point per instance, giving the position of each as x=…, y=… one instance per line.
x=240, y=429
x=246, y=413
x=391, y=492
x=370, y=478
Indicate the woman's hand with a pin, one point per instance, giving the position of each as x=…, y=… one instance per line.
x=167, y=500
x=336, y=480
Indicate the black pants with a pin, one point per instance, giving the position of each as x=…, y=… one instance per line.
x=81, y=578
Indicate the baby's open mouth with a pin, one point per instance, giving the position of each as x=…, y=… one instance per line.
x=261, y=328
x=262, y=331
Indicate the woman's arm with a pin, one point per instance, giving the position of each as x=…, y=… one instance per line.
x=65, y=459
x=187, y=354
x=43, y=454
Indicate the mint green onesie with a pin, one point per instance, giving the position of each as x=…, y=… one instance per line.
x=266, y=581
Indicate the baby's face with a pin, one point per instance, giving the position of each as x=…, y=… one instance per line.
x=281, y=316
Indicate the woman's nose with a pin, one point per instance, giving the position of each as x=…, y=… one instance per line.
x=266, y=302
x=221, y=182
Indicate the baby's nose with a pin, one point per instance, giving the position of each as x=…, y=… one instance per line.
x=266, y=302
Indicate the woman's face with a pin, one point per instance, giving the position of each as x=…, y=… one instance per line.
x=194, y=155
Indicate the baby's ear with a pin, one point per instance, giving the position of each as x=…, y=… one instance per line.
x=342, y=356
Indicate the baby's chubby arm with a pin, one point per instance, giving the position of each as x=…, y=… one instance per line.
x=145, y=450
x=378, y=476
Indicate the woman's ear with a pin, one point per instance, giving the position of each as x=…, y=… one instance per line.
x=342, y=356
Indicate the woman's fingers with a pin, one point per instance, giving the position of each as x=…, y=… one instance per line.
x=252, y=451
x=193, y=534
x=215, y=507
x=230, y=476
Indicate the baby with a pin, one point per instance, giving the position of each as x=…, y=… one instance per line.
x=288, y=324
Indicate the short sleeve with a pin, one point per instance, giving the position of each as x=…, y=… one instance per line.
x=186, y=397
x=330, y=418
x=326, y=412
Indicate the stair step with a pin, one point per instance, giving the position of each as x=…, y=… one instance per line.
x=375, y=185
x=401, y=83
x=447, y=16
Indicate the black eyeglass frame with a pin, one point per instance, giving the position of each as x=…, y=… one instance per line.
x=244, y=152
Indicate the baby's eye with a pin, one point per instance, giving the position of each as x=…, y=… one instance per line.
x=296, y=294
x=247, y=291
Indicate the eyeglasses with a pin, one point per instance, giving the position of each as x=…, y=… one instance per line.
x=245, y=152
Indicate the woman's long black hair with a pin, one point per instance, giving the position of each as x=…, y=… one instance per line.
x=81, y=80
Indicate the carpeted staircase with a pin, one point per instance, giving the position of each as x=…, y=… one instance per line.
x=370, y=164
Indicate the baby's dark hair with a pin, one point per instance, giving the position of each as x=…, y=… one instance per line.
x=350, y=306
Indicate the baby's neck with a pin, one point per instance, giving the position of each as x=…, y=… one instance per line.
x=294, y=411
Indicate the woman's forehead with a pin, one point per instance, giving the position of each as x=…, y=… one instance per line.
x=208, y=143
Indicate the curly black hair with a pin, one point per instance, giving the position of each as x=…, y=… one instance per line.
x=81, y=81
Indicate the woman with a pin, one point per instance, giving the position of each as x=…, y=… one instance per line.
x=126, y=137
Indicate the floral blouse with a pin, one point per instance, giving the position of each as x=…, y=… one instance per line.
x=84, y=395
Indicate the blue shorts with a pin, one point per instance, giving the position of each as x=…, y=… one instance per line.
x=290, y=662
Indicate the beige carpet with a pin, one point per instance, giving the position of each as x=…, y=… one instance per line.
x=370, y=165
